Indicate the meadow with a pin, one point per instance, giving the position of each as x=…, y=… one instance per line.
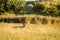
x=23, y=20
x=13, y=31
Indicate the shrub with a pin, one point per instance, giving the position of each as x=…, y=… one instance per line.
x=1, y=19
x=38, y=8
x=44, y=21
x=32, y=21
x=1, y=8
x=8, y=20
x=58, y=6
x=52, y=21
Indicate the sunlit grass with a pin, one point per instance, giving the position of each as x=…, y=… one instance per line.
x=30, y=36
x=30, y=32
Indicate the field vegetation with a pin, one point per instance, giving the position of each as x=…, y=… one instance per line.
x=50, y=8
x=22, y=20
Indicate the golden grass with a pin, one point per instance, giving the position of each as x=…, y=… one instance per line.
x=12, y=31
x=30, y=32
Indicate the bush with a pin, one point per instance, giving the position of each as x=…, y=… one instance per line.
x=13, y=20
x=32, y=21
x=44, y=21
x=1, y=19
x=2, y=8
x=58, y=6
x=19, y=20
x=59, y=14
x=38, y=8
x=52, y=21
x=7, y=20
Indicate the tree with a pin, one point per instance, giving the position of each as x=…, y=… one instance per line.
x=12, y=6
x=38, y=8
x=51, y=11
x=17, y=6
x=58, y=6
x=2, y=4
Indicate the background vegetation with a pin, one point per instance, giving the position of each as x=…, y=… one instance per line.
x=39, y=8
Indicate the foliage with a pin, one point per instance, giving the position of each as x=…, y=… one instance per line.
x=11, y=6
x=52, y=21
x=33, y=21
x=38, y=8
x=44, y=21
x=16, y=7
x=58, y=6
x=2, y=2
x=51, y=11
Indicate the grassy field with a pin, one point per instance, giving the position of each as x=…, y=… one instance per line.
x=12, y=31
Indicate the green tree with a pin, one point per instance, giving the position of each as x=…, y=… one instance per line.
x=2, y=4
x=38, y=8
x=17, y=6
x=58, y=7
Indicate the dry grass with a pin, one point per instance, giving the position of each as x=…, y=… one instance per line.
x=30, y=32
x=13, y=31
